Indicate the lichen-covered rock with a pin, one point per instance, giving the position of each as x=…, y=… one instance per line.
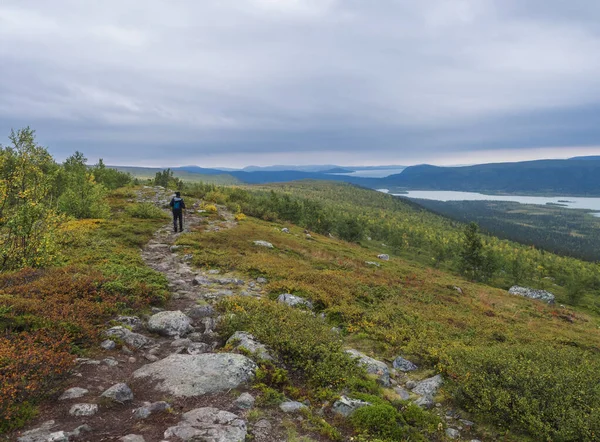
x=403, y=393
x=132, y=322
x=384, y=257
x=132, y=438
x=195, y=375
x=83, y=410
x=201, y=311
x=429, y=386
x=294, y=301
x=170, y=323
x=292, y=406
x=209, y=424
x=245, y=401
x=119, y=393
x=345, y=406
x=149, y=408
x=541, y=295
x=130, y=338
x=425, y=402
x=73, y=393
x=108, y=345
x=403, y=364
x=247, y=342
x=261, y=243
x=373, y=366
x=452, y=433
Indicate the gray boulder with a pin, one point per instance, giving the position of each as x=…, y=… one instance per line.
x=246, y=341
x=108, y=344
x=294, y=301
x=148, y=408
x=452, y=433
x=403, y=364
x=83, y=410
x=132, y=438
x=541, y=295
x=345, y=406
x=245, y=401
x=403, y=393
x=425, y=402
x=132, y=322
x=201, y=311
x=40, y=434
x=209, y=424
x=130, y=338
x=292, y=407
x=266, y=244
x=73, y=393
x=195, y=375
x=119, y=393
x=429, y=386
x=384, y=257
x=169, y=323
x=373, y=366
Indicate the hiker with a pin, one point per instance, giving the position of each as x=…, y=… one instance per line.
x=177, y=205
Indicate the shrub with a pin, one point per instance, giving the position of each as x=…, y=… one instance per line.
x=550, y=393
x=379, y=420
x=145, y=211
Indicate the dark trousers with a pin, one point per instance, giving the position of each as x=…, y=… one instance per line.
x=178, y=215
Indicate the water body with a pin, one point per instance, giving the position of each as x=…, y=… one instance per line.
x=569, y=202
x=374, y=173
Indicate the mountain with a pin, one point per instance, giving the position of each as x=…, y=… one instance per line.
x=573, y=177
x=590, y=157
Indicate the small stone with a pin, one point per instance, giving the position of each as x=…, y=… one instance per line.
x=292, y=407
x=371, y=263
x=245, y=401
x=429, y=386
x=111, y=362
x=119, y=393
x=108, y=345
x=452, y=433
x=174, y=248
x=425, y=402
x=182, y=342
x=261, y=280
x=263, y=244
x=346, y=406
x=59, y=436
x=403, y=364
x=285, y=230
x=132, y=360
x=83, y=410
x=214, y=272
x=132, y=438
x=384, y=257
x=73, y=393
x=150, y=357
x=294, y=301
x=404, y=394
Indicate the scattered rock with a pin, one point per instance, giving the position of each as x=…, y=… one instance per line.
x=174, y=248
x=403, y=364
x=39, y=434
x=294, y=301
x=261, y=280
x=119, y=393
x=245, y=341
x=196, y=348
x=384, y=257
x=371, y=263
x=73, y=393
x=410, y=385
x=132, y=322
x=458, y=289
x=425, y=402
x=108, y=345
x=373, y=366
x=429, y=386
x=111, y=362
x=245, y=401
x=209, y=424
x=181, y=342
x=261, y=430
x=292, y=407
x=132, y=339
x=403, y=393
x=263, y=244
x=201, y=280
x=452, y=433
x=195, y=375
x=148, y=408
x=526, y=292
x=169, y=323
x=285, y=230
x=83, y=410
x=132, y=438
x=346, y=406
x=150, y=357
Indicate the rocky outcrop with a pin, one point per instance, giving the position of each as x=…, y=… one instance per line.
x=195, y=375
x=541, y=295
x=170, y=323
x=209, y=424
x=373, y=366
x=245, y=341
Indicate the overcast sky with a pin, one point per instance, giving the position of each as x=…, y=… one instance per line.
x=240, y=82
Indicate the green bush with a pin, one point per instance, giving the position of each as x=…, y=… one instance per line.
x=145, y=211
x=379, y=420
x=550, y=393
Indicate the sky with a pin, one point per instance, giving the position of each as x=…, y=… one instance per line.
x=258, y=82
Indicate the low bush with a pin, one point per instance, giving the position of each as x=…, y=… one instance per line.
x=145, y=211
x=550, y=393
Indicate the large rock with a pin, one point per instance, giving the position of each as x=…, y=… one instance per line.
x=119, y=393
x=373, y=366
x=294, y=301
x=169, y=323
x=346, y=406
x=209, y=424
x=429, y=386
x=403, y=364
x=195, y=375
x=541, y=295
x=130, y=338
x=247, y=342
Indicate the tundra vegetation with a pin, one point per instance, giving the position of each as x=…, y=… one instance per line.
x=69, y=243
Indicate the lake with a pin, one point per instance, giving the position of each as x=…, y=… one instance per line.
x=570, y=202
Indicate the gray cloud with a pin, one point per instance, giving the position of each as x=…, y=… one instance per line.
x=235, y=82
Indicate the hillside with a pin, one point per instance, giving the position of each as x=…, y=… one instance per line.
x=563, y=177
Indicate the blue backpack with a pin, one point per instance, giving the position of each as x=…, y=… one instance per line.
x=177, y=203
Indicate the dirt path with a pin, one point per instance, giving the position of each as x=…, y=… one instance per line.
x=192, y=292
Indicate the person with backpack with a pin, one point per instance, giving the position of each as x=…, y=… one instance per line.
x=177, y=206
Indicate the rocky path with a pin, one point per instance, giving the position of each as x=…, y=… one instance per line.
x=161, y=377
